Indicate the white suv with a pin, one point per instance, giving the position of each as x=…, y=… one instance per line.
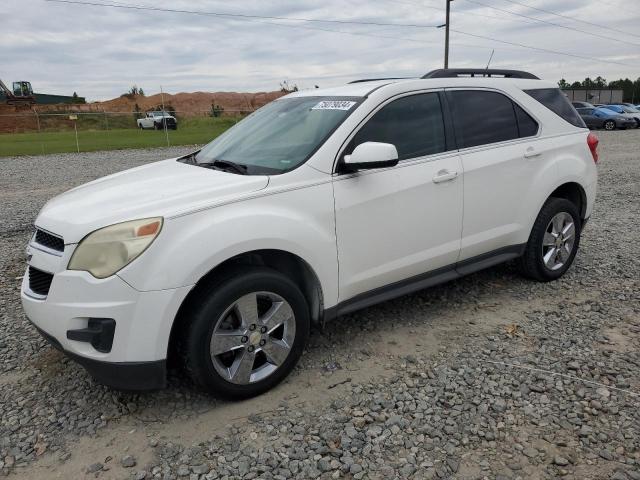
x=320, y=203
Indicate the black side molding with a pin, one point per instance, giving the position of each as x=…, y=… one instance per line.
x=424, y=280
x=490, y=259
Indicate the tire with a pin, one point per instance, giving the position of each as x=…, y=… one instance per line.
x=532, y=264
x=157, y=126
x=609, y=125
x=215, y=322
x=140, y=126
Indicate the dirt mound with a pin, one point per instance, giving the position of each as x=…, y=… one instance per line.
x=15, y=119
x=188, y=104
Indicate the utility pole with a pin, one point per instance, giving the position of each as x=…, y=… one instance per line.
x=446, y=34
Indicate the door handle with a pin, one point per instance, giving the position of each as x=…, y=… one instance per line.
x=444, y=176
x=531, y=153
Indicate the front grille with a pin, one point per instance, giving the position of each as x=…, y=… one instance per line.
x=39, y=281
x=49, y=240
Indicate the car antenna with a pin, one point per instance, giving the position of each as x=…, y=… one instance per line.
x=490, y=58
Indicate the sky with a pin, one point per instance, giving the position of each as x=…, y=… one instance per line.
x=99, y=52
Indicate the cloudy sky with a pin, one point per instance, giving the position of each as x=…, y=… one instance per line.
x=99, y=52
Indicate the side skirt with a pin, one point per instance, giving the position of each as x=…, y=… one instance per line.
x=424, y=280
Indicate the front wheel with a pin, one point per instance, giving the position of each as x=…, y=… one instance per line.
x=245, y=333
x=553, y=242
x=609, y=125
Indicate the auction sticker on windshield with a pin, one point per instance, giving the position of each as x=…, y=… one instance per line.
x=334, y=105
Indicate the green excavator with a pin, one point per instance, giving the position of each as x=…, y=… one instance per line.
x=21, y=94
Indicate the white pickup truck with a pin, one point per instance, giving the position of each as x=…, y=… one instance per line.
x=156, y=120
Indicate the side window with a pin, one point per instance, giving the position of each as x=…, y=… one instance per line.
x=558, y=103
x=527, y=126
x=482, y=117
x=414, y=124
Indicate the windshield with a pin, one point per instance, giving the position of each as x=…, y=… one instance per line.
x=160, y=114
x=281, y=135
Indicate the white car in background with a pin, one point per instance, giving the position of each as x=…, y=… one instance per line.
x=157, y=121
x=321, y=203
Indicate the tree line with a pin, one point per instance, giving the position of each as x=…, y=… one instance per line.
x=630, y=88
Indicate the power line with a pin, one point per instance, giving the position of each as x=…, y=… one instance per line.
x=261, y=19
x=554, y=24
x=462, y=12
x=583, y=57
x=571, y=18
x=239, y=15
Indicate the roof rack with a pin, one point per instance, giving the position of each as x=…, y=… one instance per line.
x=377, y=79
x=478, y=72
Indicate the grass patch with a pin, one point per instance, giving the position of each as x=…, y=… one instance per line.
x=191, y=131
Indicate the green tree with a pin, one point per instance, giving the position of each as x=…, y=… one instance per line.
x=285, y=87
x=600, y=82
x=563, y=83
x=628, y=88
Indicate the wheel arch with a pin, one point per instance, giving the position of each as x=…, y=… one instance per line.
x=570, y=190
x=575, y=193
x=290, y=264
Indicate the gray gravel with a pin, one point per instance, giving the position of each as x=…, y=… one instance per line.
x=490, y=376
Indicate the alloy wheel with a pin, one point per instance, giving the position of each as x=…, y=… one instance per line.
x=253, y=337
x=558, y=241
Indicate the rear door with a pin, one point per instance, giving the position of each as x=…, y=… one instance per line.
x=399, y=222
x=498, y=142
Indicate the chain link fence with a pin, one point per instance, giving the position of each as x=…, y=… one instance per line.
x=36, y=133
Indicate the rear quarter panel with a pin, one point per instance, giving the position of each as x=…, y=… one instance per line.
x=572, y=163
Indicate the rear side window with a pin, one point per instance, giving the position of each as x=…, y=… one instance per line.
x=482, y=117
x=414, y=124
x=554, y=100
x=527, y=126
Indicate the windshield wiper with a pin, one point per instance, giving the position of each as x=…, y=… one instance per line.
x=190, y=158
x=226, y=165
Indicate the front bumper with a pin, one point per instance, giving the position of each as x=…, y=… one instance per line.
x=629, y=123
x=135, y=358
x=127, y=376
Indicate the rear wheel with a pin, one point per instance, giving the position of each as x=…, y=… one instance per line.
x=553, y=242
x=246, y=333
x=609, y=125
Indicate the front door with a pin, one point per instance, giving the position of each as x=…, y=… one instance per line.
x=395, y=223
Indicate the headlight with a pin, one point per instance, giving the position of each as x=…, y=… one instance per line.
x=107, y=250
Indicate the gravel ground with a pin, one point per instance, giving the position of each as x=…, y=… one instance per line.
x=491, y=376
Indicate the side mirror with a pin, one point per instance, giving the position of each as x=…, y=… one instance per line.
x=371, y=155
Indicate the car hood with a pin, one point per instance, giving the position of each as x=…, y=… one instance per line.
x=159, y=189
